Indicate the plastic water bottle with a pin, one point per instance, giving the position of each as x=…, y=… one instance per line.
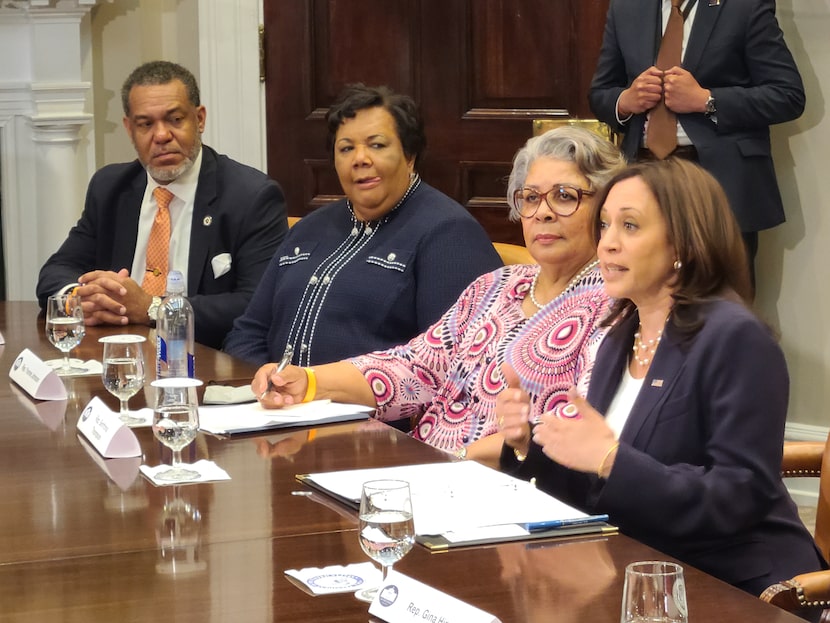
x=174, y=332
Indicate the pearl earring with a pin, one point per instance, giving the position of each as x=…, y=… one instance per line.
x=678, y=264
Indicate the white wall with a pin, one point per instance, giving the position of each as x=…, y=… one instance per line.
x=794, y=291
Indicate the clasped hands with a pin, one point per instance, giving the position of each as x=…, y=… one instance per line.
x=584, y=443
x=109, y=297
x=677, y=87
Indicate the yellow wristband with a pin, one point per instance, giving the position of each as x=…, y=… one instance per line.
x=311, y=390
x=605, y=458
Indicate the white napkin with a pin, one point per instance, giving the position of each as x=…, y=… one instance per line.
x=208, y=471
x=338, y=578
x=228, y=395
x=145, y=415
x=90, y=368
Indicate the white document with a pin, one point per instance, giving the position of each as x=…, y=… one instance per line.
x=36, y=377
x=252, y=417
x=459, y=498
x=401, y=600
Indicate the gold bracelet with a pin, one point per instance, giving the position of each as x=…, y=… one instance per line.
x=605, y=458
x=311, y=390
x=519, y=456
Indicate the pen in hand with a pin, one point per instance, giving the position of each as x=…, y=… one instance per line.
x=286, y=359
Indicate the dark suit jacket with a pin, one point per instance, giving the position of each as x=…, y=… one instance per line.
x=237, y=210
x=737, y=50
x=697, y=474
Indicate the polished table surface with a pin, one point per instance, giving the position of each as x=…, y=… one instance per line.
x=82, y=539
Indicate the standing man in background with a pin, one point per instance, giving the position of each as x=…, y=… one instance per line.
x=179, y=206
x=735, y=77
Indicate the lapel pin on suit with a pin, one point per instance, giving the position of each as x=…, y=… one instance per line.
x=207, y=221
x=714, y=2
x=657, y=383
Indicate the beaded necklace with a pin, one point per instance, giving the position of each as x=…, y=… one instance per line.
x=576, y=279
x=647, y=348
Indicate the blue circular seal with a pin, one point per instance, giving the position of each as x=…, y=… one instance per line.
x=388, y=595
x=330, y=581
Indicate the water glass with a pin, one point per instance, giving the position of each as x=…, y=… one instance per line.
x=122, y=371
x=176, y=422
x=654, y=592
x=65, y=328
x=387, y=530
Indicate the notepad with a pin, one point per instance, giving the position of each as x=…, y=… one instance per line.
x=253, y=417
x=466, y=503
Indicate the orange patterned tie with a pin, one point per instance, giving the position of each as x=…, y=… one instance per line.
x=661, y=135
x=158, y=246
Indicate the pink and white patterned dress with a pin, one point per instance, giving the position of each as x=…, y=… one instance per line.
x=449, y=376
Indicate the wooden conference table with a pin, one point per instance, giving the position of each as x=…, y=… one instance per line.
x=83, y=540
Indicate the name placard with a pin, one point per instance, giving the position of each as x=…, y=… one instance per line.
x=106, y=432
x=37, y=378
x=401, y=599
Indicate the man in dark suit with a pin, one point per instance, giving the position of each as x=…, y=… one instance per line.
x=223, y=223
x=737, y=77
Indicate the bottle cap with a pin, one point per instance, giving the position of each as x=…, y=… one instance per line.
x=175, y=282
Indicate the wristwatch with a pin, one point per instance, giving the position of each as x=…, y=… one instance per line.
x=711, y=109
x=153, y=310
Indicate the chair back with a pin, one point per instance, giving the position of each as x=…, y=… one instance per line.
x=513, y=253
x=822, y=533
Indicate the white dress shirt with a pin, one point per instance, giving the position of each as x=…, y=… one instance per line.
x=181, y=217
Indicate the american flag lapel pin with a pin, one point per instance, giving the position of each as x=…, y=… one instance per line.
x=714, y=2
x=657, y=382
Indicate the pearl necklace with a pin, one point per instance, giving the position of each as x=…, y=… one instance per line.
x=576, y=279
x=647, y=348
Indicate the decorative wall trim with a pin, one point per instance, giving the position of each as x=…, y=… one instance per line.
x=229, y=80
x=805, y=432
x=43, y=110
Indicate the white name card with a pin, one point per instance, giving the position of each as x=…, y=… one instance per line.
x=106, y=432
x=122, y=472
x=37, y=378
x=401, y=599
x=50, y=412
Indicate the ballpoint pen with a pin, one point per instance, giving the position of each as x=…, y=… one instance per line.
x=286, y=359
x=537, y=526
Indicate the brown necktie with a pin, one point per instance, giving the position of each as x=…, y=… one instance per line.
x=158, y=246
x=661, y=135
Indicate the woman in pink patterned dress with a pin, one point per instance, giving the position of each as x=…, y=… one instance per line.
x=445, y=381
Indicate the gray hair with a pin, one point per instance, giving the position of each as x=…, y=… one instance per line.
x=596, y=158
x=159, y=72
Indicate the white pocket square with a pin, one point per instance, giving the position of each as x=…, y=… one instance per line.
x=221, y=264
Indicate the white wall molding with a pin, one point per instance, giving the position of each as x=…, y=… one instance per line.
x=43, y=112
x=794, y=431
x=229, y=79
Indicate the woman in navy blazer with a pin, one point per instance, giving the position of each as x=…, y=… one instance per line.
x=680, y=438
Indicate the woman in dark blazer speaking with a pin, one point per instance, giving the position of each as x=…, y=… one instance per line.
x=680, y=437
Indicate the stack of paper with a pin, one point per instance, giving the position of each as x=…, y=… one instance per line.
x=465, y=502
x=252, y=417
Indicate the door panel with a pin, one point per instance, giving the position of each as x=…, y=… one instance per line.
x=481, y=70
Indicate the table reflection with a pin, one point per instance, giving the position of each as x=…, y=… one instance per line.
x=178, y=537
x=543, y=577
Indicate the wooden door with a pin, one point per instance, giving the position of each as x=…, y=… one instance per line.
x=481, y=70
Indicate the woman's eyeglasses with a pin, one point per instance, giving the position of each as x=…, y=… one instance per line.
x=562, y=199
